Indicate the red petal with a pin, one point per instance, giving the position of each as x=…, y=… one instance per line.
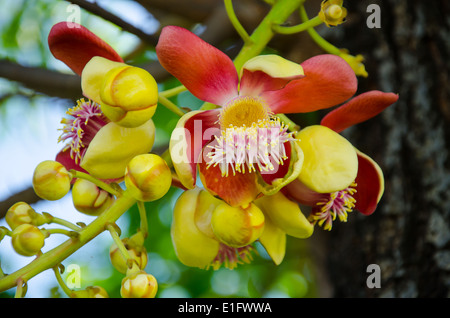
x=298, y=192
x=358, y=109
x=75, y=46
x=281, y=170
x=63, y=157
x=188, y=140
x=328, y=81
x=370, y=185
x=236, y=190
x=206, y=71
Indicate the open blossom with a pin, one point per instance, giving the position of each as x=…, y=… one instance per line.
x=316, y=166
x=113, y=123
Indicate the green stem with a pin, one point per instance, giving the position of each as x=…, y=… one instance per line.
x=292, y=126
x=61, y=252
x=235, y=22
x=20, y=289
x=170, y=106
x=280, y=11
x=115, y=236
x=55, y=220
x=97, y=182
x=327, y=46
x=298, y=28
x=173, y=91
x=61, y=282
x=143, y=217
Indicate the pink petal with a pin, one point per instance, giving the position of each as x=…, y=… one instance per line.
x=236, y=190
x=328, y=81
x=358, y=109
x=75, y=46
x=370, y=185
x=207, y=72
x=194, y=130
x=300, y=193
x=256, y=82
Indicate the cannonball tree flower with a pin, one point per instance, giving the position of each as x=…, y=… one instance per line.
x=114, y=124
x=209, y=233
x=232, y=153
x=364, y=193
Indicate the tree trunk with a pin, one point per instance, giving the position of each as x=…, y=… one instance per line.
x=409, y=234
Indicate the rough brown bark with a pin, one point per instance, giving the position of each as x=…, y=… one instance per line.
x=409, y=235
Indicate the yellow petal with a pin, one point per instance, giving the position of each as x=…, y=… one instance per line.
x=286, y=214
x=93, y=75
x=114, y=146
x=275, y=66
x=274, y=241
x=192, y=247
x=330, y=163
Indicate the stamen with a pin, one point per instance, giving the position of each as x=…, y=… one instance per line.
x=87, y=120
x=231, y=257
x=338, y=204
x=243, y=148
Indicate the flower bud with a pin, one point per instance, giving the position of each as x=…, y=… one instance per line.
x=139, y=285
x=90, y=292
x=137, y=253
x=330, y=163
x=22, y=213
x=129, y=96
x=332, y=12
x=148, y=177
x=27, y=240
x=237, y=226
x=90, y=199
x=51, y=180
x=355, y=62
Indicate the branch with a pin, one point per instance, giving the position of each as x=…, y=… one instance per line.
x=42, y=80
x=99, y=11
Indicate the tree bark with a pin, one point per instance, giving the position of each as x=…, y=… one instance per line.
x=409, y=234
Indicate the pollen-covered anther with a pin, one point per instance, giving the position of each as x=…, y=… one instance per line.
x=243, y=148
x=86, y=121
x=339, y=204
x=231, y=257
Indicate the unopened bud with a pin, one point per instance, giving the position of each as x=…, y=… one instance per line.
x=148, y=177
x=91, y=292
x=90, y=199
x=139, y=285
x=129, y=96
x=237, y=226
x=51, y=180
x=138, y=254
x=27, y=240
x=22, y=213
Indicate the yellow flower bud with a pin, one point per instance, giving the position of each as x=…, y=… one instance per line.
x=91, y=292
x=129, y=89
x=332, y=12
x=237, y=226
x=330, y=163
x=51, y=180
x=192, y=247
x=355, y=63
x=22, y=213
x=90, y=199
x=137, y=253
x=139, y=285
x=27, y=240
x=148, y=177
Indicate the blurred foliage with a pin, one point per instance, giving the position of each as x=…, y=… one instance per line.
x=24, y=27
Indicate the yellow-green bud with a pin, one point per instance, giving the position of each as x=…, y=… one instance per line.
x=148, y=177
x=22, y=213
x=237, y=226
x=137, y=253
x=129, y=95
x=51, y=180
x=90, y=199
x=139, y=285
x=91, y=292
x=332, y=12
x=27, y=240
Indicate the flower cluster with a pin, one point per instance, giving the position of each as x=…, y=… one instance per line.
x=248, y=176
